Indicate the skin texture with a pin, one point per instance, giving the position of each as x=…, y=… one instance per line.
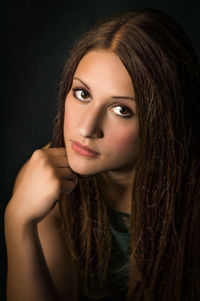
x=101, y=92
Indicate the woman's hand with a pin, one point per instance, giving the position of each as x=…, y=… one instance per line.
x=46, y=178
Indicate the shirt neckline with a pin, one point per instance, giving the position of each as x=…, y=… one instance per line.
x=119, y=220
x=119, y=212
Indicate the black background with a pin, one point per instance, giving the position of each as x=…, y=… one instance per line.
x=36, y=38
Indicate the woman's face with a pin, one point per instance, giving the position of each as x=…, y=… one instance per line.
x=101, y=113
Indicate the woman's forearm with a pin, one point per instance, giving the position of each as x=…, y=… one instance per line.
x=28, y=275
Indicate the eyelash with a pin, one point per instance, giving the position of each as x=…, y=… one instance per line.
x=74, y=90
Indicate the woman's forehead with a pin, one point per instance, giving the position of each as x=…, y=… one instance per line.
x=102, y=67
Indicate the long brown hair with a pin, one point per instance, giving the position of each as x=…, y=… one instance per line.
x=164, y=253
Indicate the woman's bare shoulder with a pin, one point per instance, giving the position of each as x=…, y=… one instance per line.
x=60, y=265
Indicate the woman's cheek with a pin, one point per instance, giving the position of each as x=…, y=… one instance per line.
x=123, y=140
x=69, y=117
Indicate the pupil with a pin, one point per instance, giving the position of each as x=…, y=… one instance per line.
x=123, y=110
x=83, y=94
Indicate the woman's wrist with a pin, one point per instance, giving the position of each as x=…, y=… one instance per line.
x=16, y=218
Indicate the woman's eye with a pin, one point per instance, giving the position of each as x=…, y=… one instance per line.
x=123, y=111
x=81, y=94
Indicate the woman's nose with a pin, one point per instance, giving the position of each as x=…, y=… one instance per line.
x=90, y=125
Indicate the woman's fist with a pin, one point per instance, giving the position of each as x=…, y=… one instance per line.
x=45, y=179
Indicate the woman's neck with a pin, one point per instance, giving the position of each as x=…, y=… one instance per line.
x=116, y=189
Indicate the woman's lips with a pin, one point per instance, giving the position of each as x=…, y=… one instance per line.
x=83, y=150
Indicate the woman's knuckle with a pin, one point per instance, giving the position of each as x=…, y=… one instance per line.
x=38, y=154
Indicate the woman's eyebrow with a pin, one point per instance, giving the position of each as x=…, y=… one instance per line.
x=82, y=82
x=124, y=97
x=115, y=97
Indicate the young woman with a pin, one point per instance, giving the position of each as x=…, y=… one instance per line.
x=111, y=210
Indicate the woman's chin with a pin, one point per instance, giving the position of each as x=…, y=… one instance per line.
x=82, y=171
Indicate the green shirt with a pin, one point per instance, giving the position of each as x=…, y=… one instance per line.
x=118, y=269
